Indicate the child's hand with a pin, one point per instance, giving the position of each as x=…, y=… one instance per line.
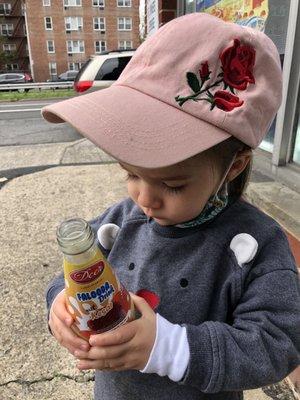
x=60, y=322
x=127, y=347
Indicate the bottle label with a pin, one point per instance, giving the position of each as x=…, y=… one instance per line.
x=97, y=300
x=88, y=274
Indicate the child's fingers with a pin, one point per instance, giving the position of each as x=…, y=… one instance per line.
x=121, y=335
x=141, y=304
x=59, y=308
x=103, y=353
x=66, y=336
x=112, y=365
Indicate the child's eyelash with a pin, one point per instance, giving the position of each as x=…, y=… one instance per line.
x=173, y=190
x=130, y=177
x=169, y=189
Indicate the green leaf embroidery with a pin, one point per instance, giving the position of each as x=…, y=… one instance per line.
x=193, y=81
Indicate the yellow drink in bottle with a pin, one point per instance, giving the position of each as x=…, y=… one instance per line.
x=96, y=299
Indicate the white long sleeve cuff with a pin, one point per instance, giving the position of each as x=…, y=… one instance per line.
x=170, y=353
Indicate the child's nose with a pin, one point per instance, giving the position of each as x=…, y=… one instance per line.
x=148, y=196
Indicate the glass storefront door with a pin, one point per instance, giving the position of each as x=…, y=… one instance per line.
x=296, y=152
x=296, y=157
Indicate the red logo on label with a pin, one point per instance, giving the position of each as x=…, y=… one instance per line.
x=89, y=274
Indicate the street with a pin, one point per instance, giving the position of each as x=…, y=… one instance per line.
x=29, y=144
x=21, y=123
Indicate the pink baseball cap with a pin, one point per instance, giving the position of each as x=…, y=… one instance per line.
x=197, y=81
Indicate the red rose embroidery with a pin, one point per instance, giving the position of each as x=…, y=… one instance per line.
x=204, y=71
x=238, y=62
x=226, y=101
x=237, y=72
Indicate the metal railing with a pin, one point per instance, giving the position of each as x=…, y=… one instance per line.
x=40, y=86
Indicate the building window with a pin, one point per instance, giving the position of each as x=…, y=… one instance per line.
x=99, y=23
x=9, y=48
x=124, y=24
x=6, y=29
x=74, y=23
x=98, y=3
x=46, y=3
x=75, y=66
x=11, y=67
x=124, y=3
x=5, y=9
x=52, y=69
x=72, y=3
x=50, y=46
x=75, y=46
x=48, y=23
x=125, y=44
x=100, y=46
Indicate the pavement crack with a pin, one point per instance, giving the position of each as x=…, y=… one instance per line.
x=78, y=378
x=63, y=154
x=69, y=147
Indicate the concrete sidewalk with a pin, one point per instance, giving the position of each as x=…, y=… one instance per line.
x=33, y=366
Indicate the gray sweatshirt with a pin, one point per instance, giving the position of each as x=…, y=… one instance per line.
x=242, y=321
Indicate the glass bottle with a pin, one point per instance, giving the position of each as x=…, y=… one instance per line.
x=97, y=300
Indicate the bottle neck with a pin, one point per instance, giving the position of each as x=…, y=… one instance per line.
x=82, y=258
x=75, y=237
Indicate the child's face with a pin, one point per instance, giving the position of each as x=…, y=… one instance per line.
x=175, y=194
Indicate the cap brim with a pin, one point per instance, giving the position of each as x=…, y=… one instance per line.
x=136, y=128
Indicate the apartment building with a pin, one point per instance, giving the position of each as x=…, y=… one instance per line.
x=13, y=40
x=62, y=34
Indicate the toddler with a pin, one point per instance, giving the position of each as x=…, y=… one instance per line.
x=182, y=121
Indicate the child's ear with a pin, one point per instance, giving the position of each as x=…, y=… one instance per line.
x=241, y=161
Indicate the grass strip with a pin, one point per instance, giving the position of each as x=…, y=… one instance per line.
x=35, y=94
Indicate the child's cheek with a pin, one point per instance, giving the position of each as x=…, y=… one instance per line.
x=133, y=191
x=177, y=209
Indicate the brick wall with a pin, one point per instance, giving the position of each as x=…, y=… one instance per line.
x=167, y=11
x=38, y=36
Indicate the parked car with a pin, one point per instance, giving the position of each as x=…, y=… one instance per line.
x=9, y=78
x=100, y=71
x=64, y=77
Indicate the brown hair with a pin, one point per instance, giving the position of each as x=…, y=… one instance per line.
x=224, y=153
